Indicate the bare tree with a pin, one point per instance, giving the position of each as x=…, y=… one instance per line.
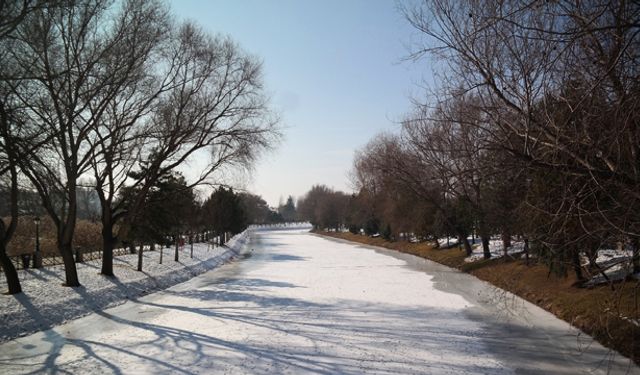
x=15, y=12
x=68, y=54
x=402, y=162
x=117, y=139
x=209, y=102
x=13, y=132
x=10, y=135
x=324, y=208
x=7, y=230
x=557, y=82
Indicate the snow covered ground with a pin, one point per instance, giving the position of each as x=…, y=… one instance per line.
x=616, y=264
x=300, y=303
x=448, y=242
x=496, y=248
x=45, y=303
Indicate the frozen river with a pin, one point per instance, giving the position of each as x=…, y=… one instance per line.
x=299, y=303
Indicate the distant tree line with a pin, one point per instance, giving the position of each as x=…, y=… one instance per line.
x=323, y=207
x=172, y=213
x=115, y=97
x=533, y=131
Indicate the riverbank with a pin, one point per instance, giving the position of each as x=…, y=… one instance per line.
x=300, y=303
x=44, y=303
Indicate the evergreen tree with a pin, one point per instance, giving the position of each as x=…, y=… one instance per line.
x=223, y=212
x=288, y=210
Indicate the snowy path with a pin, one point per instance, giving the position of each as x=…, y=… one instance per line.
x=305, y=304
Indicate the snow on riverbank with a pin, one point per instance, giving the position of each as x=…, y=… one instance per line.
x=447, y=242
x=616, y=264
x=45, y=303
x=305, y=304
x=496, y=248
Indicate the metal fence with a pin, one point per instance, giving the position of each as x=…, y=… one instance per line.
x=23, y=261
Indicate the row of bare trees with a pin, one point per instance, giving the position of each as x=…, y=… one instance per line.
x=323, y=207
x=533, y=129
x=115, y=96
x=545, y=95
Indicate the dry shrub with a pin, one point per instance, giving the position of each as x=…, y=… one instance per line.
x=24, y=239
x=87, y=236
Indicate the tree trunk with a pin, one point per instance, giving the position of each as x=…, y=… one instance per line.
x=66, y=231
x=132, y=247
x=485, y=237
x=140, y=257
x=10, y=273
x=526, y=251
x=191, y=244
x=486, y=251
x=70, y=271
x=176, y=256
x=635, y=246
x=161, y=253
x=506, y=240
x=465, y=242
x=107, y=250
x=65, y=246
x=506, y=243
x=575, y=261
x=592, y=254
x=437, y=243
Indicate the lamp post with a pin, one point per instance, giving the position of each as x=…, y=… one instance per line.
x=37, y=257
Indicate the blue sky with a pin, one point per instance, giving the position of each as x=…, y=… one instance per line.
x=334, y=72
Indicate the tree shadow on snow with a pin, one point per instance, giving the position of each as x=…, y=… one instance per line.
x=282, y=258
x=248, y=284
x=343, y=336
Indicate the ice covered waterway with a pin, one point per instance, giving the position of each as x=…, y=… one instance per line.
x=299, y=303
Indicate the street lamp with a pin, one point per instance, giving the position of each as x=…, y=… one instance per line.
x=37, y=257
